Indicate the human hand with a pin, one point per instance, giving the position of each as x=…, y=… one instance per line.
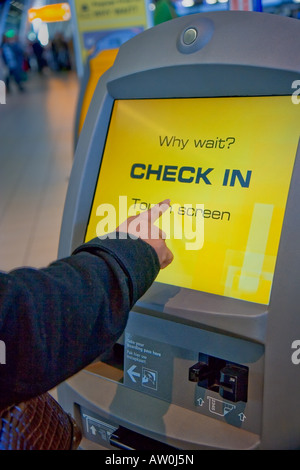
x=142, y=226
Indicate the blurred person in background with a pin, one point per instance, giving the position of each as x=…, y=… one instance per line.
x=164, y=11
x=60, y=51
x=3, y=71
x=38, y=51
x=13, y=58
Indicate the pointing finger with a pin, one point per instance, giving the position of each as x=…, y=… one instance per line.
x=156, y=211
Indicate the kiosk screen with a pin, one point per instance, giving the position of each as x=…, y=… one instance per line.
x=226, y=166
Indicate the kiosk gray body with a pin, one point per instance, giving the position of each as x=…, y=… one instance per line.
x=178, y=337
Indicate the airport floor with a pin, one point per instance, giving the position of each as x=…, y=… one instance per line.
x=36, y=155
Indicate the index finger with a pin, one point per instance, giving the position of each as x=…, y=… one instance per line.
x=156, y=211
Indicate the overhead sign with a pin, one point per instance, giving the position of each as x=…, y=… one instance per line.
x=105, y=24
x=50, y=13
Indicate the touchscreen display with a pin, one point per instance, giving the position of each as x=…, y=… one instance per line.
x=226, y=166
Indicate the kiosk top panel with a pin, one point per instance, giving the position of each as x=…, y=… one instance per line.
x=234, y=54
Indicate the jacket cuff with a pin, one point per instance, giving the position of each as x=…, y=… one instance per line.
x=136, y=257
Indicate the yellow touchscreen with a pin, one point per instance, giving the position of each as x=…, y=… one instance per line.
x=225, y=164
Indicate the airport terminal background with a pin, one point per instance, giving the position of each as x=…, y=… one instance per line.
x=37, y=136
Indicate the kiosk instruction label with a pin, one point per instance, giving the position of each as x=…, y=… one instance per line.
x=149, y=365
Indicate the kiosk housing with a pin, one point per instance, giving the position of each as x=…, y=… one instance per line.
x=202, y=110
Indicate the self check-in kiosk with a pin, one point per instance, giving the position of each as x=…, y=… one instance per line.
x=95, y=67
x=202, y=110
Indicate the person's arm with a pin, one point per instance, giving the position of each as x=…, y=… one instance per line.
x=55, y=321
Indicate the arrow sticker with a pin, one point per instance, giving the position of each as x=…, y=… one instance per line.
x=94, y=430
x=132, y=374
x=200, y=401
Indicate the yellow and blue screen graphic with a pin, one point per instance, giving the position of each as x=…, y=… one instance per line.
x=230, y=160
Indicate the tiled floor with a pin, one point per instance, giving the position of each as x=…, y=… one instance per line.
x=36, y=154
